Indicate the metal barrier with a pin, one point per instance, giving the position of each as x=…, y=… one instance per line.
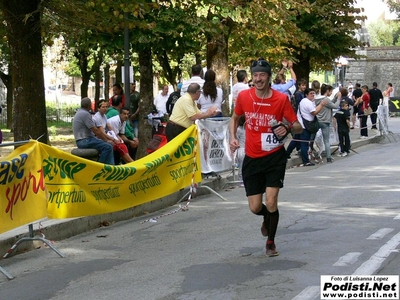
x=31, y=237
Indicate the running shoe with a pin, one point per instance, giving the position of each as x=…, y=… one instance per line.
x=271, y=250
x=264, y=230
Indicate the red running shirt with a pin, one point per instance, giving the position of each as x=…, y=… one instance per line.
x=259, y=113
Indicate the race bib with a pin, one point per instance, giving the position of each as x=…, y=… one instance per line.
x=269, y=142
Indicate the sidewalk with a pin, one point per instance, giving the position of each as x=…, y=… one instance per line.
x=61, y=229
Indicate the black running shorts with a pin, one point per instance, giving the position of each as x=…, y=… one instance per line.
x=263, y=172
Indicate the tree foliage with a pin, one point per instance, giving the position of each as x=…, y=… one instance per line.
x=384, y=33
x=227, y=33
x=328, y=31
x=394, y=6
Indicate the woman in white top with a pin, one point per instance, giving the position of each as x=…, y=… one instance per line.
x=212, y=95
x=307, y=110
x=389, y=92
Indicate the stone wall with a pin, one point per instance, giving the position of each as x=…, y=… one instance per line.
x=381, y=64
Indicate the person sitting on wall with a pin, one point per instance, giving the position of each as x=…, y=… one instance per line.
x=85, y=132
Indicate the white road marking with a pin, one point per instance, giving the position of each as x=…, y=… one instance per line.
x=348, y=259
x=397, y=217
x=367, y=268
x=375, y=261
x=310, y=292
x=380, y=234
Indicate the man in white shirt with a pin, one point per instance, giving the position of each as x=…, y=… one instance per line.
x=197, y=77
x=160, y=102
x=118, y=124
x=242, y=84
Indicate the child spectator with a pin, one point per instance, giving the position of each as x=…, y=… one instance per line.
x=343, y=123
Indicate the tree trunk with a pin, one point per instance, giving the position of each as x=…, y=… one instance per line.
x=118, y=72
x=106, y=85
x=24, y=39
x=9, y=100
x=217, y=60
x=10, y=116
x=302, y=68
x=146, y=99
x=97, y=79
x=169, y=72
x=82, y=57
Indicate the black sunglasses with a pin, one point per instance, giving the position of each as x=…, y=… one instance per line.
x=260, y=62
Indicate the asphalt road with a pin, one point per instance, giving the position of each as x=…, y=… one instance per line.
x=341, y=218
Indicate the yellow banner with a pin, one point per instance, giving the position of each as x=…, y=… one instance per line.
x=22, y=188
x=78, y=187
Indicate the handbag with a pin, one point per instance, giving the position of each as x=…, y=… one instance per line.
x=311, y=126
x=368, y=111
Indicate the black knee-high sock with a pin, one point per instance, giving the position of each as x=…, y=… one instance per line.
x=272, y=225
x=263, y=212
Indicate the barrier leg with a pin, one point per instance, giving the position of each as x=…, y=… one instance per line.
x=235, y=180
x=205, y=187
x=33, y=238
x=8, y=275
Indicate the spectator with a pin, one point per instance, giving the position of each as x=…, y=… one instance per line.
x=160, y=102
x=196, y=77
x=155, y=119
x=343, y=126
x=173, y=97
x=325, y=117
x=118, y=91
x=299, y=94
x=307, y=110
x=344, y=95
x=350, y=91
x=296, y=98
x=211, y=96
x=186, y=112
x=362, y=104
x=357, y=93
x=134, y=100
x=376, y=97
x=85, y=132
x=115, y=110
x=100, y=120
x=280, y=83
x=118, y=125
x=242, y=84
x=389, y=92
x=316, y=85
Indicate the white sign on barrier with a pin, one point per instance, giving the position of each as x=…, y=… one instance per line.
x=214, y=144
